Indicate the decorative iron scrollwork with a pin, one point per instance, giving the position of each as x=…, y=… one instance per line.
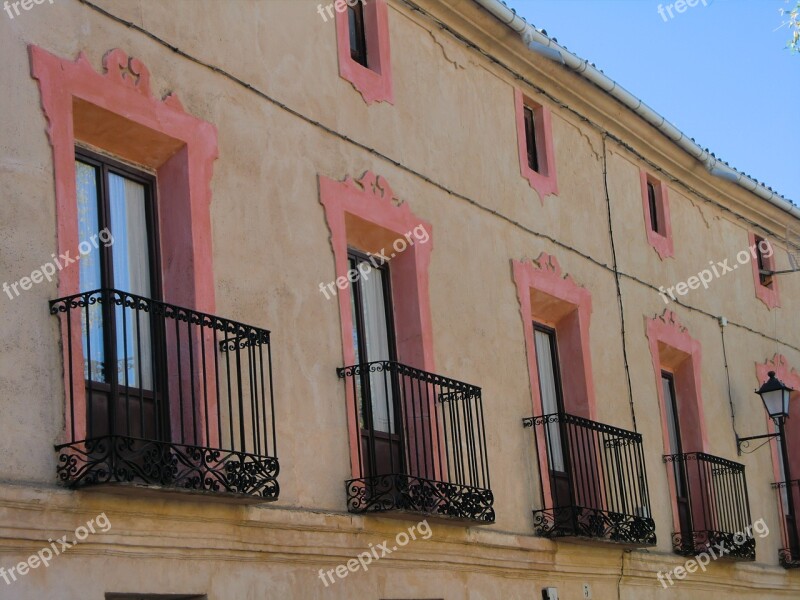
x=737, y=546
x=578, y=521
x=120, y=459
x=383, y=493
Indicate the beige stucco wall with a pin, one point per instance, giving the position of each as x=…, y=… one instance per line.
x=452, y=122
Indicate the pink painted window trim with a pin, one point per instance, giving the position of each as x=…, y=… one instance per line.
x=767, y=294
x=184, y=171
x=567, y=302
x=370, y=202
x=661, y=240
x=544, y=182
x=667, y=336
x=373, y=83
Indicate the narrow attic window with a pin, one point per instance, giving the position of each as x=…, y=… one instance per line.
x=530, y=139
x=358, y=34
x=362, y=41
x=655, y=204
x=535, y=141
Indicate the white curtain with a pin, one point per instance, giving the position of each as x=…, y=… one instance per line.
x=672, y=418
x=131, y=262
x=89, y=272
x=547, y=387
x=376, y=335
x=673, y=432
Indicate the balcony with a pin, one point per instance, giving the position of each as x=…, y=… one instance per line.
x=789, y=492
x=593, y=482
x=421, y=444
x=712, y=505
x=159, y=395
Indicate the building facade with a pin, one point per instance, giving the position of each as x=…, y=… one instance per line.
x=376, y=300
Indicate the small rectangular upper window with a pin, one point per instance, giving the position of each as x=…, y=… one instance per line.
x=358, y=34
x=530, y=139
x=362, y=45
x=652, y=202
x=655, y=204
x=535, y=144
x=764, y=263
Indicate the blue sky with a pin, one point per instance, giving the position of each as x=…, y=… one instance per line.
x=722, y=74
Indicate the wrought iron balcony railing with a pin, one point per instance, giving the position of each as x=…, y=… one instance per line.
x=789, y=492
x=712, y=505
x=422, y=444
x=165, y=396
x=593, y=481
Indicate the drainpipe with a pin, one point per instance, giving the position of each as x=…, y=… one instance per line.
x=541, y=44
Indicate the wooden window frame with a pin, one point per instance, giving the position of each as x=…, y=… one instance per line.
x=105, y=165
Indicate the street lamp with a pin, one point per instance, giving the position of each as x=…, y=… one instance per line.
x=775, y=395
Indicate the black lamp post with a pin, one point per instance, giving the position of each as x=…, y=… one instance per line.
x=775, y=395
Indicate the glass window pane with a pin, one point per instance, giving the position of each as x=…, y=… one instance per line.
x=545, y=362
x=131, y=262
x=89, y=272
x=376, y=342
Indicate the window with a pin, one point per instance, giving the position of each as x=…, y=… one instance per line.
x=362, y=39
x=535, y=141
x=552, y=403
x=530, y=139
x=763, y=254
x=358, y=35
x=119, y=365
x=763, y=263
x=87, y=108
x=655, y=203
x=403, y=419
x=676, y=447
x=556, y=312
x=377, y=391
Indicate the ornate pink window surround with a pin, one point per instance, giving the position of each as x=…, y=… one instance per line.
x=364, y=214
x=767, y=294
x=551, y=298
x=660, y=241
x=116, y=112
x=547, y=296
x=544, y=182
x=373, y=83
x=672, y=349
